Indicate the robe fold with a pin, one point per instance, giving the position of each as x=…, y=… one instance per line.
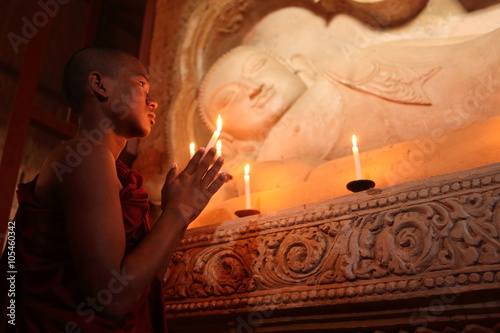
x=48, y=296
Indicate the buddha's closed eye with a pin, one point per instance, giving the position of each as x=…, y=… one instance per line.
x=253, y=64
x=225, y=96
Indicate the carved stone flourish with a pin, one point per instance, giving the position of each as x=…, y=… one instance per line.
x=292, y=257
x=397, y=84
x=216, y=271
x=230, y=15
x=452, y=233
x=415, y=240
x=381, y=13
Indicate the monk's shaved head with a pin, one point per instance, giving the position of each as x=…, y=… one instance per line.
x=105, y=60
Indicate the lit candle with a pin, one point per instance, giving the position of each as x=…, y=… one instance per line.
x=248, y=199
x=218, y=146
x=214, y=137
x=191, y=149
x=355, y=153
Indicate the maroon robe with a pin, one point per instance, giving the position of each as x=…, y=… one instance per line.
x=48, y=295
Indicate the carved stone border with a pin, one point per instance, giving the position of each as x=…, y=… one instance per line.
x=417, y=240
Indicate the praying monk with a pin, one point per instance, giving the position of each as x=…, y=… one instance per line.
x=88, y=260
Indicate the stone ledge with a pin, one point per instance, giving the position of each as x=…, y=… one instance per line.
x=400, y=244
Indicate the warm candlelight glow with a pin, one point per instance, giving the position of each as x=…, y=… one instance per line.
x=214, y=137
x=248, y=200
x=218, y=146
x=355, y=154
x=192, y=148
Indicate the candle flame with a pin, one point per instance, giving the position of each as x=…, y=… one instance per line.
x=247, y=169
x=219, y=123
x=354, y=141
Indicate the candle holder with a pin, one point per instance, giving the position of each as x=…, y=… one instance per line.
x=360, y=185
x=246, y=212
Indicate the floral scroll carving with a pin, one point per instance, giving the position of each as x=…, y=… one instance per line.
x=449, y=234
x=376, y=246
x=216, y=271
x=293, y=257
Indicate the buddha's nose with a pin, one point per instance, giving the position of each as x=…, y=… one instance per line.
x=254, y=88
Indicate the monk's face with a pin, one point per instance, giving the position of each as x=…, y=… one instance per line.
x=131, y=105
x=251, y=93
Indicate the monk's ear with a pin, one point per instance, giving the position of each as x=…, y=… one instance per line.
x=97, y=85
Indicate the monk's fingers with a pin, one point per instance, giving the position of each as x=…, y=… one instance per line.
x=171, y=174
x=194, y=162
x=206, y=161
x=217, y=184
x=212, y=173
x=200, y=162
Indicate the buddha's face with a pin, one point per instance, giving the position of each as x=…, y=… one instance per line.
x=251, y=90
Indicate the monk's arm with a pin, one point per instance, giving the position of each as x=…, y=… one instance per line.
x=90, y=196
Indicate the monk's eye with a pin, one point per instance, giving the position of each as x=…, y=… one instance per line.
x=142, y=83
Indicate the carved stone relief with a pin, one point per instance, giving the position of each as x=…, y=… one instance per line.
x=395, y=93
x=438, y=236
x=211, y=28
x=370, y=259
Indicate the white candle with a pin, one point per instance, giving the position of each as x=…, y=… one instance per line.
x=214, y=137
x=218, y=146
x=248, y=200
x=355, y=153
x=191, y=149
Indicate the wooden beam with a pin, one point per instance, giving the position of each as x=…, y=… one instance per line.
x=93, y=19
x=22, y=114
x=53, y=124
x=147, y=31
x=18, y=129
